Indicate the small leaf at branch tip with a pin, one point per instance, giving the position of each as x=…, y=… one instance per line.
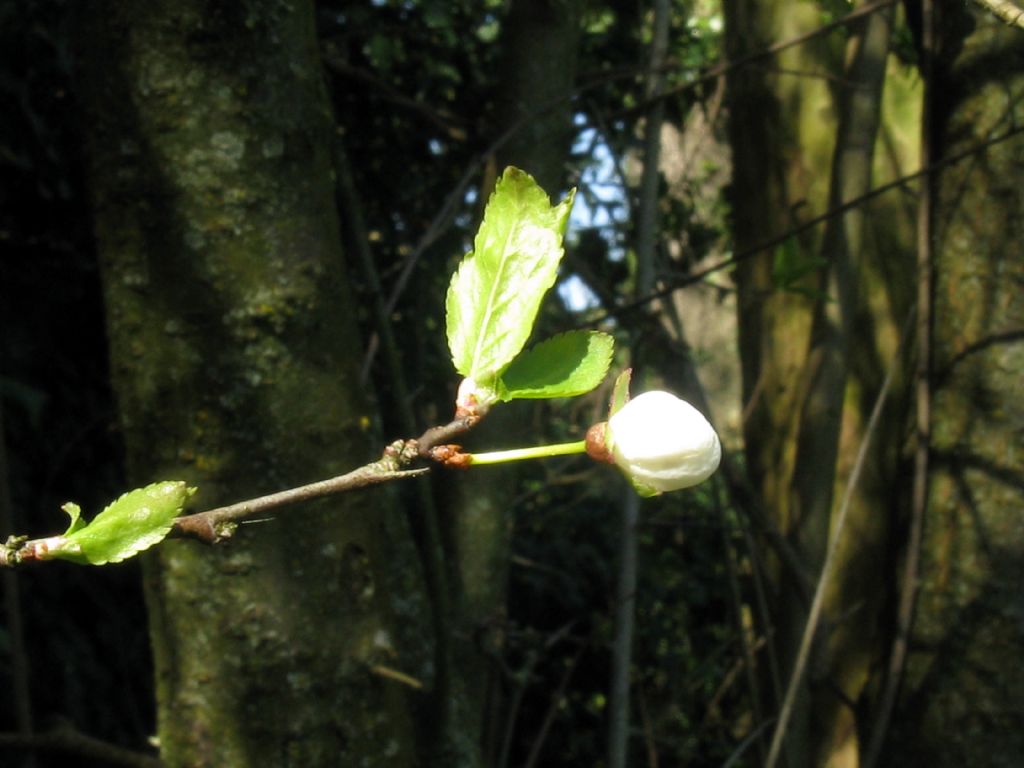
x=136, y=521
x=75, y=513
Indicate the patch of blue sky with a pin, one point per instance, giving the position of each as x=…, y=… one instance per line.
x=601, y=204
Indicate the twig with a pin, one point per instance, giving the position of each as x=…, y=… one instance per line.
x=732, y=570
x=1009, y=12
x=826, y=569
x=923, y=416
x=219, y=524
x=745, y=744
x=726, y=67
x=552, y=711
x=393, y=674
x=447, y=123
x=19, y=662
x=799, y=229
x=648, y=729
x=646, y=250
x=522, y=677
x=622, y=645
x=65, y=738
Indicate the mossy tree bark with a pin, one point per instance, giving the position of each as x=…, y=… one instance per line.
x=964, y=685
x=820, y=318
x=234, y=356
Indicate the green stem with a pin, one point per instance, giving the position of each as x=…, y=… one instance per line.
x=537, y=452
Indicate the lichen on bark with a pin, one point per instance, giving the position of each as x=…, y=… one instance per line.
x=964, y=691
x=234, y=355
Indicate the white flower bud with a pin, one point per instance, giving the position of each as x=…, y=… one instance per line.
x=663, y=442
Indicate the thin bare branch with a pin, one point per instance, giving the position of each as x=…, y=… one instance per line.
x=725, y=67
x=736, y=595
x=552, y=712
x=216, y=525
x=923, y=408
x=810, y=629
x=744, y=745
x=444, y=121
x=619, y=693
x=21, y=687
x=65, y=738
x=1008, y=11
x=697, y=277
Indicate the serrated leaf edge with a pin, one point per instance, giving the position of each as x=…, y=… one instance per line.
x=560, y=213
x=507, y=395
x=143, y=542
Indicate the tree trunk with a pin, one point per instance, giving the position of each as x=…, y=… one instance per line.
x=964, y=688
x=234, y=356
x=777, y=138
x=540, y=49
x=842, y=663
x=819, y=324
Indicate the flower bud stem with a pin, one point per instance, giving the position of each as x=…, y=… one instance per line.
x=538, y=452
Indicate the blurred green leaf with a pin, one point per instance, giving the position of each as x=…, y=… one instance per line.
x=620, y=395
x=791, y=267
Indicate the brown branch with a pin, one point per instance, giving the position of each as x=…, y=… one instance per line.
x=792, y=42
x=726, y=67
x=799, y=229
x=216, y=525
x=557, y=696
x=736, y=595
x=443, y=434
x=64, y=738
x=443, y=120
x=817, y=605
x=923, y=399
x=1009, y=12
x=21, y=687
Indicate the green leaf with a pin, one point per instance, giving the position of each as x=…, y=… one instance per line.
x=494, y=295
x=75, y=513
x=136, y=521
x=620, y=395
x=563, y=366
x=791, y=268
